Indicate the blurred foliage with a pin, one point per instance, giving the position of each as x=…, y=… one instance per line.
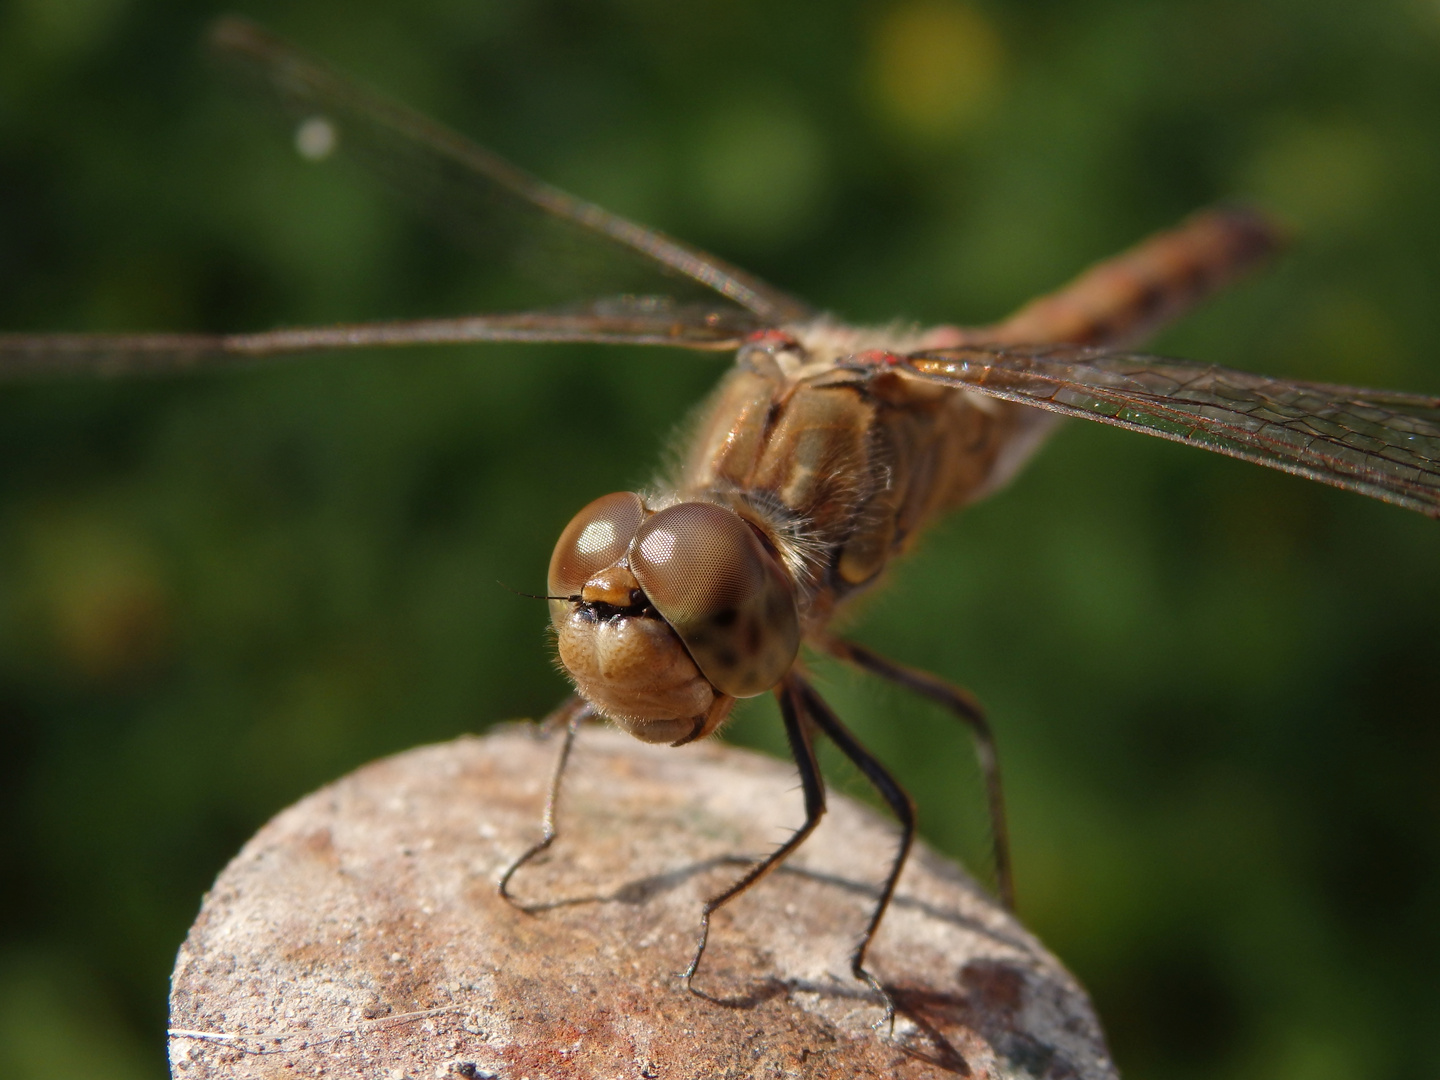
x=1215, y=687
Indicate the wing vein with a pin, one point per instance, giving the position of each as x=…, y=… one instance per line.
x=1385, y=445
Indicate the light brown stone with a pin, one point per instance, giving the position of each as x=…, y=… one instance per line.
x=359, y=934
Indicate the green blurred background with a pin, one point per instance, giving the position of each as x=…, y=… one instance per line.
x=1215, y=687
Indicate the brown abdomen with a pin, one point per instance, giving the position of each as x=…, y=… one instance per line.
x=1125, y=299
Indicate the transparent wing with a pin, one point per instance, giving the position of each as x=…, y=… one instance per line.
x=1385, y=445
x=621, y=321
x=478, y=193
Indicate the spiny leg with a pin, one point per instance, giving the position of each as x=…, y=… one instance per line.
x=963, y=706
x=797, y=730
x=571, y=714
x=900, y=802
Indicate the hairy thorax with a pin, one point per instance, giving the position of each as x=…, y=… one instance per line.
x=840, y=457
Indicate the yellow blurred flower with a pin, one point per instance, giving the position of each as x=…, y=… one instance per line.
x=935, y=66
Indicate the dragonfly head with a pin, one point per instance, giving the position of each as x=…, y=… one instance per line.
x=665, y=617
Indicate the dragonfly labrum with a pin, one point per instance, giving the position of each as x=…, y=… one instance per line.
x=826, y=450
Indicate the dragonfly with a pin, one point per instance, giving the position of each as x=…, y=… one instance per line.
x=823, y=453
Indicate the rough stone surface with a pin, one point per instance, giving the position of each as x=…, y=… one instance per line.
x=359, y=934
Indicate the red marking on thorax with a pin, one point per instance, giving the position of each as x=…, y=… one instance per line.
x=773, y=338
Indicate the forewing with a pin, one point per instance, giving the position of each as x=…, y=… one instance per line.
x=621, y=321
x=514, y=216
x=1382, y=444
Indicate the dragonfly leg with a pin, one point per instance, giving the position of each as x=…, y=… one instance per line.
x=902, y=806
x=798, y=731
x=963, y=706
x=570, y=715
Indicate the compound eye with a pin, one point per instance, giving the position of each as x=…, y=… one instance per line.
x=597, y=537
x=707, y=573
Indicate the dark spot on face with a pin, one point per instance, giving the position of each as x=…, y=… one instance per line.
x=752, y=636
x=726, y=658
x=725, y=617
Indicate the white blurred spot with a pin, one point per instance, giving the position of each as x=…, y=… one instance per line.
x=658, y=546
x=316, y=138
x=597, y=536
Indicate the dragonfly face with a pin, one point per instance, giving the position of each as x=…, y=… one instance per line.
x=663, y=618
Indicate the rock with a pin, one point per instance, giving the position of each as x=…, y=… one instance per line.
x=359, y=934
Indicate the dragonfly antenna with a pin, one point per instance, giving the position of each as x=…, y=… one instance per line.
x=533, y=596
